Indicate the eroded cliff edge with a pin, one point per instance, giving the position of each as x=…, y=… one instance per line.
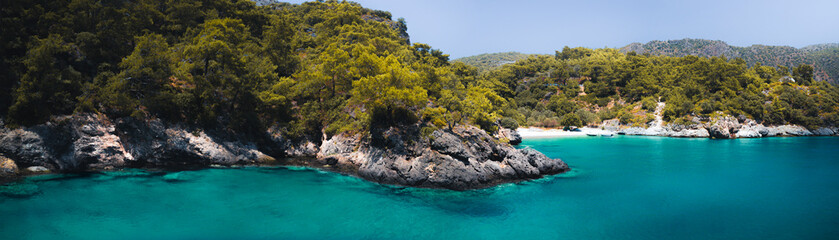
x=461, y=158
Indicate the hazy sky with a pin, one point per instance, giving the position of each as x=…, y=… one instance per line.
x=464, y=28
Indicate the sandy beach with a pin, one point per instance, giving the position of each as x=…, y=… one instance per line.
x=535, y=132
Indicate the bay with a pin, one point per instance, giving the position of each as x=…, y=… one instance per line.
x=620, y=188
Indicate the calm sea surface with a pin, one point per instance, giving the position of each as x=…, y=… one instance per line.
x=620, y=188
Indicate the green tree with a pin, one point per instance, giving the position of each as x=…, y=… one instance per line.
x=51, y=83
x=803, y=74
x=227, y=68
x=570, y=119
x=389, y=95
x=144, y=77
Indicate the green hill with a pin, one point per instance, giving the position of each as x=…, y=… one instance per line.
x=490, y=61
x=823, y=57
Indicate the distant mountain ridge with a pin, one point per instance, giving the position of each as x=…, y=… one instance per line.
x=823, y=57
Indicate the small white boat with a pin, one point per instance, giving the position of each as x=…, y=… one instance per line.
x=591, y=134
x=607, y=135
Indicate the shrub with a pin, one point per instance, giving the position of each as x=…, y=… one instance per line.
x=507, y=122
x=587, y=117
x=570, y=119
x=649, y=103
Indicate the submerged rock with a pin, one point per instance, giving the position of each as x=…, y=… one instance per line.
x=19, y=190
x=182, y=176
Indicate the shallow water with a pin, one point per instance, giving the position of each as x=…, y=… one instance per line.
x=620, y=188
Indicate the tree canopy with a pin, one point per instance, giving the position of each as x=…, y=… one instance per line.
x=326, y=66
x=334, y=66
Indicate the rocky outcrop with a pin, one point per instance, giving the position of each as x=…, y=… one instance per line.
x=462, y=158
x=510, y=135
x=788, y=130
x=90, y=142
x=158, y=144
x=724, y=127
x=823, y=131
x=612, y=125
x=8, y=169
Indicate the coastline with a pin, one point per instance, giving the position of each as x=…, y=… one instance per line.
x=462, y=158
x=715, y=131
x=537, y=132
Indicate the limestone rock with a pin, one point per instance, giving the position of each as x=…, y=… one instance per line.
x=338, y=145
x=788, y=130
x=689, y=133
x=511, y=135
x=823, y=131
x=612, y=125
x=464, y=158
x=751, y=129
x=37, y=169
x=724, y=127
x=8, y=168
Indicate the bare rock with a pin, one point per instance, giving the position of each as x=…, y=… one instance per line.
x=788, y=130
x=751, y=129
x=465, y=158
x=823, y=131
x=724, y=127
x=511, y=135
x=689, y=133
x=339, y=144
x=37, y=169
x=8, y=168
x=612, y=125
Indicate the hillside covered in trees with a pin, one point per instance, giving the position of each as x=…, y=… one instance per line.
x=823, y=57
x=332, y=67
x=580, y=86
x=310, y=68
x=491, y=61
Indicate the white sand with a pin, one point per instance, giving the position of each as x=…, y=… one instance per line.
x=534, y=132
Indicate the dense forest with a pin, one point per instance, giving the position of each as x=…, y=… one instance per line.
x=319, y=66
x=823, y=57
x=580, y=86
x=331, y=67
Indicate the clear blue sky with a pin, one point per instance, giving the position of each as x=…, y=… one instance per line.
x=463, y=28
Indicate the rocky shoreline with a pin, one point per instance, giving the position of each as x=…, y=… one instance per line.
x=462, y=158
x=720, y=127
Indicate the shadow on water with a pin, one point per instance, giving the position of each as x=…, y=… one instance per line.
x=472, y=203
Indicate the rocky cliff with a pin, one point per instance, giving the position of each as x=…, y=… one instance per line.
x=461, y=158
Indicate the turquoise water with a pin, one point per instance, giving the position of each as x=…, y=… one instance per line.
x=621, y=188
